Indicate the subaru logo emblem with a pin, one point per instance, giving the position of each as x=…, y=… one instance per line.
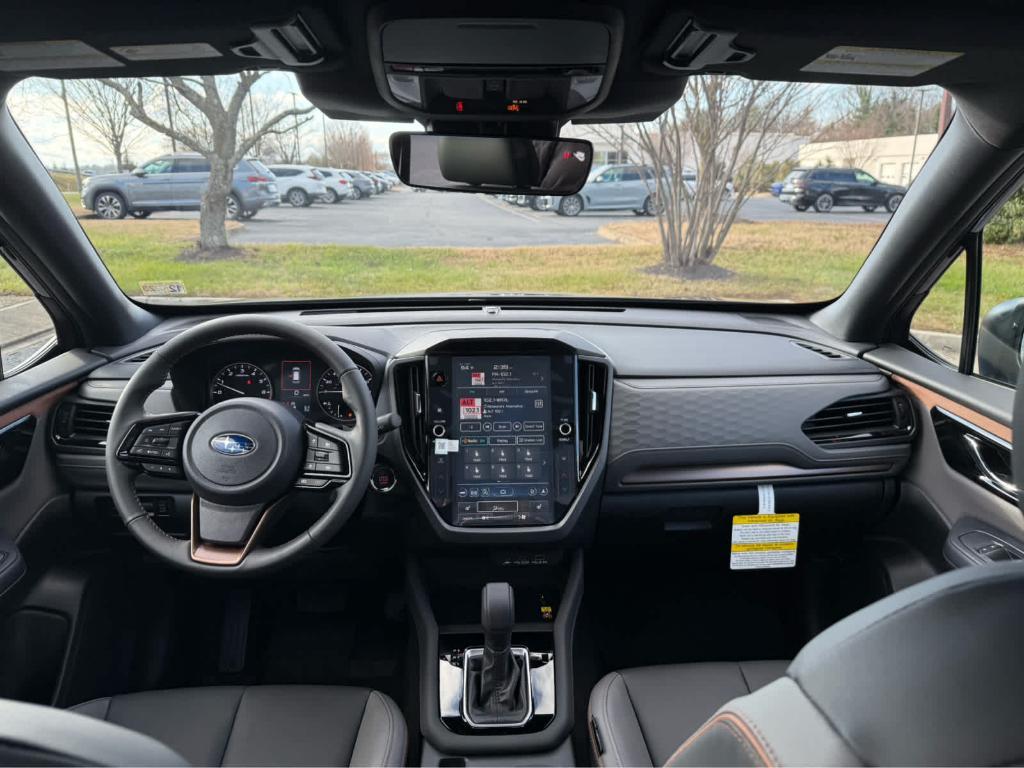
x=233, y=445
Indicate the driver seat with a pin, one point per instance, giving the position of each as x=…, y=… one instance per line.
x=281, y=725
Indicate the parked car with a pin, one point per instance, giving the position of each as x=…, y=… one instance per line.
x=378, y=184
x=338, y=185
x=176, y=182
x=362, y=184
x=776, y=188
x=613, y=188
x=300, y=185
x=826, y=188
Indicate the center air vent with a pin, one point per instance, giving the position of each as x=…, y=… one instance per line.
x=83, y=425
x=593, y=389
x=410, y=397
x=827, y=352
x=871, y=419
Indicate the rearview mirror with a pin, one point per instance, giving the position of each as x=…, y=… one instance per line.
x=493, y=164
x=1001, y=342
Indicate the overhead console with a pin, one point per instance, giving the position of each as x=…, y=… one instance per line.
x=507, y=69
x=502, y=435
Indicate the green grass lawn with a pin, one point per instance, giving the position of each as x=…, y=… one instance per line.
x=776, y=261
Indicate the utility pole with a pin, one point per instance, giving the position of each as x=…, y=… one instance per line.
x=258, y=146
x=917, y=127
x=323, y=123
x=170, y=115
x=71, y=133
x=298, y=145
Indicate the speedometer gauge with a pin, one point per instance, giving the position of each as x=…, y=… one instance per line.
x=331, y=398
x=240, y=380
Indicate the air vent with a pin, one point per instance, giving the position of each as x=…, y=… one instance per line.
x=410, y=397
x=83, y=425
x=593, y=389
x=826, y=352
x=872, y=419
x=141, y=357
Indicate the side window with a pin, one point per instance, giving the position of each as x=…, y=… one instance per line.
x=973, y=317
x=191, y=165
x=631, y=174
x=938, y=324
x=160, y=165
x=1000, y=336
x=25, y=327
x=864, y=178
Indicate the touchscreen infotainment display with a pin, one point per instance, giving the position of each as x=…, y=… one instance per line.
x=501, y=414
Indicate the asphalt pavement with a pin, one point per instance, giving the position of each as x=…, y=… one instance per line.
x=438, y=219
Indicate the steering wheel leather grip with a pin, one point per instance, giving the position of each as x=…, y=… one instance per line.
x=200, y=556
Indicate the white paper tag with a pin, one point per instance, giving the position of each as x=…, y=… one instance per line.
x=766, y=499
x=764, y=541
x=894, y=62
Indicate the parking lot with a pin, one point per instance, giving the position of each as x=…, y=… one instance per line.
x=437, y=219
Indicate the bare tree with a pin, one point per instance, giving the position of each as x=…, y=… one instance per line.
x=348, y=145
x=206, y=119
x=103, y=115
x=710, y=152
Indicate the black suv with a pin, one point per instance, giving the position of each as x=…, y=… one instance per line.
x=826, y=188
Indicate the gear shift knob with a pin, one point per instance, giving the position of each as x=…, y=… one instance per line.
x=497, y=614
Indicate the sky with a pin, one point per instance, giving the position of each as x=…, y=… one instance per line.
x=40, y=116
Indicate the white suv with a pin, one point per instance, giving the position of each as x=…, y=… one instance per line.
x=300, y=185
x=339, y=187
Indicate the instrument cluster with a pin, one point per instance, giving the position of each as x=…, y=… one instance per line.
x=272, y=371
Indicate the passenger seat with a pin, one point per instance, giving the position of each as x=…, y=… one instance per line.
x=640, y=716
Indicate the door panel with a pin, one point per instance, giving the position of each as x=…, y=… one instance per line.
x=964, y=435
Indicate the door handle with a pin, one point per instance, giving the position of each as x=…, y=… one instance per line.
x=997, y=482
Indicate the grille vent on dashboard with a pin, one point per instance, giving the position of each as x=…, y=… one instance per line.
x=593, y=388
x=83, y=425
x=411, y=399
x=827, y=352
x=860, y=420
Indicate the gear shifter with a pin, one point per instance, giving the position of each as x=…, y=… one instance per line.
x=497, y=684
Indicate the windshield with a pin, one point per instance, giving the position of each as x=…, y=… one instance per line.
x=770, y=192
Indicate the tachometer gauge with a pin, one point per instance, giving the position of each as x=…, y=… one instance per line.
x=240, y=380
x=331, y=397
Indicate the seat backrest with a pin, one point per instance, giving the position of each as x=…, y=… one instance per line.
x=34, y=735
x=932, y=675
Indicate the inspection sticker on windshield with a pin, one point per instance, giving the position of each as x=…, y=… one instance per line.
x=764, y=541
x=162, y=288
x=896, y=62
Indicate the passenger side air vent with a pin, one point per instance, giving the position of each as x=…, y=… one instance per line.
x=872, y=419
x=827, y=352
x=410, y=397
x=82, y=425
x=593, y=389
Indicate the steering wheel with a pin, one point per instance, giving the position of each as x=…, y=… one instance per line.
x=242, y=457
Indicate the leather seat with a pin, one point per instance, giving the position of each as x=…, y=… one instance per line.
x=637, y=715
x=286, y=725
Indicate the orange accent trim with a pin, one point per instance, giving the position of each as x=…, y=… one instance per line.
x=37, y=407
x=930, y=399
x=212, y=554
x=733, y=720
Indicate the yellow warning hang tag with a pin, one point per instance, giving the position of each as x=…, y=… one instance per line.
x=764, y=541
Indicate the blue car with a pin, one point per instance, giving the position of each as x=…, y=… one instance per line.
x=776, y=188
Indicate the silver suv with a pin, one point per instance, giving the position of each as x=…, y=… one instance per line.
x=176, y=183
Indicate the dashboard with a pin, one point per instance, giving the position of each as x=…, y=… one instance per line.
x=515, y=427
x=270, y=370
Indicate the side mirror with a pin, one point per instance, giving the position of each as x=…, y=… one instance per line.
x=138, y=172
x=1001, y=342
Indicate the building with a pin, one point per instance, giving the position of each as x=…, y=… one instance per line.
x=891, y=159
